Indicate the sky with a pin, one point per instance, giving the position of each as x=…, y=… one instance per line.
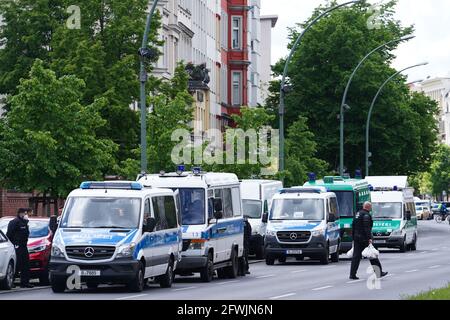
x=430, y=17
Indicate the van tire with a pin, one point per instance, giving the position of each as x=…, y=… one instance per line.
x=207, y=272
x=403, y=246
x=233, y=270
x=260, y=252
x=270, y=261
x=138, y=283
x=58, y=284
x=413, y=245
x=166, y=280
x=326, y=257
x=8, y=282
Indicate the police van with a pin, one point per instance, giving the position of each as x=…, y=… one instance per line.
x=394, y=213
x=257, y=198
x=303, y=222
x=116, y=232
x=212, y=221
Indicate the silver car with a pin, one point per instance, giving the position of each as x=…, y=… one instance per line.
x=7, y=263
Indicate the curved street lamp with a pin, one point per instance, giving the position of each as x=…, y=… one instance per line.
x=144, y=52
x=369, y=116
x=344, y=105
x=283, y=80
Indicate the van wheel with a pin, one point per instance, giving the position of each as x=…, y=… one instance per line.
x=270, y=261
x=44, y=279
x=260, y=252
x=207, y=272
x=233, y=270
x=58, y=284
x=326, y=257
x=403, y=246
x=8, y=282
x=166, y=280
x=335, y=256
x=413, y=246
x=138, y=283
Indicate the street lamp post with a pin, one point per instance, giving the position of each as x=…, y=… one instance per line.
x=344, y=105
x=144, y=53
x=281, y=110
x=369, y=116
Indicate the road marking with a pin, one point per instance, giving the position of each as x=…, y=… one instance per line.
x=298, y=271
x=424, y=252
x=283, y=296
x=411, y=271
x=434, y=267
x=132, y=297
x=356, y=281
x=322, y=288
x=15, y=290
x=268, y=276
x=227, y=282
x=182, y=289
x=329, y=267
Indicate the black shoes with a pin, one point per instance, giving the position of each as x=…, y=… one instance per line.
x=383, y=274
x=354, y=278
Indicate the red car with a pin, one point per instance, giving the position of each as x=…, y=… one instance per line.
x=39, y=246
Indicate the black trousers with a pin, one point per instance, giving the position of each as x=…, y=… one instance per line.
x=358, y=248
x=23, y=264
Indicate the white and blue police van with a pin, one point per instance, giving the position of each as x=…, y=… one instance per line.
x=303, y=222
x=117, y=233
x=212, y=221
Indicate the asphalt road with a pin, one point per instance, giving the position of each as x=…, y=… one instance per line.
x=409, y=273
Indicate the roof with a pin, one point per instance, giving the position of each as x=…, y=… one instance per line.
x=188, y=179
x=400, y=182
x=323, y=195
x=117, y=193
x=273, y=18
x=341, y=185
x=387, y=196
x=258, y=182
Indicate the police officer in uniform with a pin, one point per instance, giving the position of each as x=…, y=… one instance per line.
x=18, y=232
x=362, y=238
x=244, y=268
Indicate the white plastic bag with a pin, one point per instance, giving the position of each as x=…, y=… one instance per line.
x=349, y=254
x=370, y=252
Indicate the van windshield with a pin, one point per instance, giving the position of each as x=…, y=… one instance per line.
x=252, y=208
x=387, y=210
x=114, y=213
x=345, y=201
x=298, y=209
x=192, y=206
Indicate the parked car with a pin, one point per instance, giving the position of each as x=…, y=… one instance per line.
x=7, y=263
x=39, y=246
x=422, y=213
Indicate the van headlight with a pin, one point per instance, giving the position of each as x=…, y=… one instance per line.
x=57, y=251
x=126, y=250
x=318, y=232
x=271, y=233
x=197, y=244
x=398, y=232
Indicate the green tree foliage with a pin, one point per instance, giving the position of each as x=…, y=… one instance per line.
x=440, y=171
x=318, y=73
x=48, y=141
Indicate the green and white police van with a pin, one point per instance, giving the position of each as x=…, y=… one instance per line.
x=395, y=220
x=351, y=195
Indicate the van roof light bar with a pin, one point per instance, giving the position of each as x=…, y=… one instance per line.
x=88, y=185
x=317, y=190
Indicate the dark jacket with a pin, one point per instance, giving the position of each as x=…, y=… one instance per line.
x=247, y=233
x=18, y=232
x=362, y=226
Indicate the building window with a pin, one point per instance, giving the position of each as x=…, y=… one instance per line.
x=237, y=89
x=236, y=33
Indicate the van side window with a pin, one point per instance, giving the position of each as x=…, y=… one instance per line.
x=236, y=198
x=334, y=208
x=147, y=210
x=227, y=203
x=170, y=212
x=218, y=194
x=158, y=209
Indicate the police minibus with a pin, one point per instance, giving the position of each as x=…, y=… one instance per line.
x=303, y=222
x=211, y=217
x=116, y=232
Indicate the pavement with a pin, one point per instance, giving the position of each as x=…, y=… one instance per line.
x=409, y=273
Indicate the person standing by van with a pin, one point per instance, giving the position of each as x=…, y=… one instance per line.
x=362, y=238
x=245, y=267
x=18, y=232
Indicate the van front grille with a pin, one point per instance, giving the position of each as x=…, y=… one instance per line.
x=90, y=252
x=294, y=236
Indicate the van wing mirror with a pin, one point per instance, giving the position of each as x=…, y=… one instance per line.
x=150, y=225
x=265, y=217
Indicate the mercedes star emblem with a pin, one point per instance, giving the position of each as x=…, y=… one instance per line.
x=293, y=236
x=89, y=252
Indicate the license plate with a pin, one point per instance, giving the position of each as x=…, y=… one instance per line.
x=294, y=252
x=90, y=273
x=379, y=242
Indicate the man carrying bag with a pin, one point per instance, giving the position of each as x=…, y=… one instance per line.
x=362, y=238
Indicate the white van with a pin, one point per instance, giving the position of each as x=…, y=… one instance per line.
x=117, y=232
x=211, y=216
x=303, y=222
x=7, y=263
x=257, y=198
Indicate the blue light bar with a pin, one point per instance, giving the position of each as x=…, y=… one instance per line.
x=196, y=170
x=317, y=190
x=312, y=177
x=109, y=185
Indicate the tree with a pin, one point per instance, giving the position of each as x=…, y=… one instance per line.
x=48, y=139
x=318, y=73
x=440, y=171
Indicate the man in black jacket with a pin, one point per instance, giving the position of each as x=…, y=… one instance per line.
x=18, y=232
x=362, y=238
x=245, y=266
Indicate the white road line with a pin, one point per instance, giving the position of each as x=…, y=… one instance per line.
x=227, y=282
x=299, y=271
x=329, y=267
x=132, y=297
x=283, y=296
x=434, y=267
x=411, y=271
x=268, y=276
x=182, y=289
x=322, y=288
